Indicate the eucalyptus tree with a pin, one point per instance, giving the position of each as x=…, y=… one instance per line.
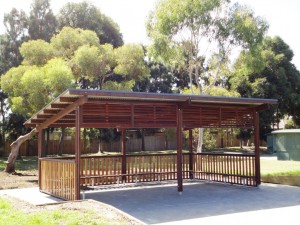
x=84, y=15
x=71, y=57
x=16, y=24
x=198, y=36
x=269, y=73
x=41, y=22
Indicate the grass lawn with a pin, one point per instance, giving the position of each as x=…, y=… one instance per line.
x=28, y=163
x=10, y=214
x=278, y=167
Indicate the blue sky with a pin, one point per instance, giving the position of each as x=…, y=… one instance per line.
x=283, y=17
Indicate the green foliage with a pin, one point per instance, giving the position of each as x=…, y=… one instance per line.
x=86, y=16
x=68, y=40
x=209, y=140
x=244, y=135
x=290, y=124
x=42, y=22
x=269, y=73
x=198, y=36
x=73, y=55
x=36, y=52
x=161, y=80
x=214, y=91
x=58, y=76
x=15, y=23
x=124, y=85
x=30, y=87
x=130, y=61
x=95, y=62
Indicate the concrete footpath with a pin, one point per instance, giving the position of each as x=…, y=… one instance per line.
x=200, y=203
x=207, y=203
x=31, y=195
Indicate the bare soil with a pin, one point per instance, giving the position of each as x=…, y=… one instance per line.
x=30, y=179
x=24, y=179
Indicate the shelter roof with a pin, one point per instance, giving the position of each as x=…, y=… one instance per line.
x=142, y=109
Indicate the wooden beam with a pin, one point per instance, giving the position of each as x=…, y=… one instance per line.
x=62, y=113
x=191, y=155
x=123, y=131
x=257, y=151
x=179, y=150
x=77, y=152
x=41, y=139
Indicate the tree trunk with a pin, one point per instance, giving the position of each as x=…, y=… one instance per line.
x=61, y=141
x=46, y=152
x=15, y=146
x=200, y=140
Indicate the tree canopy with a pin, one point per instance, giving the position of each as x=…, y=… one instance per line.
x=41, y=22
x=269, y=73
x=72, y=58
x=87, y=16
x=198, y=36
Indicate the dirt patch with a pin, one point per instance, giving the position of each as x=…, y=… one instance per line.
x=22, y=179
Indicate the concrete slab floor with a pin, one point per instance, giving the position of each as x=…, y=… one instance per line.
x=206, y=203
x=31, y=195
x=200, y=203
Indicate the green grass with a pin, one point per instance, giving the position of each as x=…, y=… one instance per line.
x=278, y=167
x=10, y=215
x=28, y=163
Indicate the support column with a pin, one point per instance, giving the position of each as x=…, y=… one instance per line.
x=191, y=155
x=257, y=152
x=179, y=150
x=78, y=116
x=123, y=131
x=41, y=142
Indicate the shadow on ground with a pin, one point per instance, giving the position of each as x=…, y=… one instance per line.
x=161, y=204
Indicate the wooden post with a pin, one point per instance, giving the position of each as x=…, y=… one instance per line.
x=123, y=131
x=179, y=150
x=257, y=152
x=78, y=117
x=41, y=141
x=191, y=155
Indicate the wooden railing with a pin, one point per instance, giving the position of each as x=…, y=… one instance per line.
x=229, y=168
x=58, y=177
x=100, y=170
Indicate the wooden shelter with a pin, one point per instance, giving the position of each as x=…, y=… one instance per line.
x=77, y=108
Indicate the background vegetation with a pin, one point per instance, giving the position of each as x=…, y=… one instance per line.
x=42, y=54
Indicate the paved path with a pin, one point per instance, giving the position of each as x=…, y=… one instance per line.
x=207, y=203
x=200, y=203
x=31, y=195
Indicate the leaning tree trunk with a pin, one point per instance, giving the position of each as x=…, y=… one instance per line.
x=15, y=146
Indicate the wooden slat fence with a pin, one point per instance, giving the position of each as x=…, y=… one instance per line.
x=229, y=168
x=100, y=170
x=58, y=177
